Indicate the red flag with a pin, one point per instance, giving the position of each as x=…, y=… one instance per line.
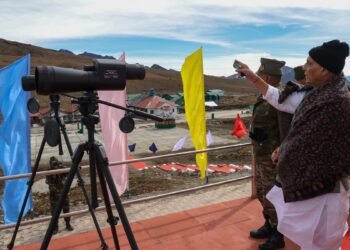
x=239, y=129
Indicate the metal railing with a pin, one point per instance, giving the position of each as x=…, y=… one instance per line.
x=114, y=163
x=85, y=211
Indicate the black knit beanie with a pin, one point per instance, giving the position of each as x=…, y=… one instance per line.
x=331, y=55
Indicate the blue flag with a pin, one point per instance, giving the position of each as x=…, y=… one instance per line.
x=132, y=147
x=14, y=137
x=153, y=148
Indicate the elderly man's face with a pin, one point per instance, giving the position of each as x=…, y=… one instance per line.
x=315, y=75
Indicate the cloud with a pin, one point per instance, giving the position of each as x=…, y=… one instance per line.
x=197, y=21
x=222, y=66
x=219, y=65
x=257, y=4
x=213, y=24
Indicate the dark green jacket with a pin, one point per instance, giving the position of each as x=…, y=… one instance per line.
x=265, y=118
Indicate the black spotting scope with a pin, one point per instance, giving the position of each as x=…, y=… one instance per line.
x=104, y=74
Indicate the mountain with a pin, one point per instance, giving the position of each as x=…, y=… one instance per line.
x=87, y=54
x=156, y=66
x=66, y=51
x=163, y=81
x=92, y=55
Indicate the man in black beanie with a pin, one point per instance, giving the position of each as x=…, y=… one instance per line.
x=311, y=194
x=325, y=61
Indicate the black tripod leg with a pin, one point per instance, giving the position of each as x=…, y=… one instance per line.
x=92, y=211
x=81, y=185
x=30, y=184
x=93, y=184
x=102, y=163
x=111, y=219
x=78, y=155
x=65, y=136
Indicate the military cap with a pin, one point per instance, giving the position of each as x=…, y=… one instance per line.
x=271, y=67
x=299, y=73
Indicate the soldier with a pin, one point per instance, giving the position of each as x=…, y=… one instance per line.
x=265, y=137
x=56, y=183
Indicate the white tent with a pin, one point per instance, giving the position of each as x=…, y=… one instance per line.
x=211, y=104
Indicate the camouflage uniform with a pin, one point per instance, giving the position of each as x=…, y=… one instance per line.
x=56, y=183
x=265, y=139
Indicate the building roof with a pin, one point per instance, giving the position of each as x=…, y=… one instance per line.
x=136, y=100
x=217, y=92
x=152, y=102
x=176, y=98
x=132, y=96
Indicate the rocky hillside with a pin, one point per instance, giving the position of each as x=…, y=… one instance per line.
x=163, y=81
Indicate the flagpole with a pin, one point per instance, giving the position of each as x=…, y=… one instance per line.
x=206, y=175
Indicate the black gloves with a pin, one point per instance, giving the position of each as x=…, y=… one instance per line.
x=258, y=135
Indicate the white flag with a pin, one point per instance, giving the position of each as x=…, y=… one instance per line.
x=209, y=138
x=179, y=144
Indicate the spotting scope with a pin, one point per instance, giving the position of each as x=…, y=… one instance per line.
x=104, y=74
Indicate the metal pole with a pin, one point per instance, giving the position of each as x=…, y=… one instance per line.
x=66, y=170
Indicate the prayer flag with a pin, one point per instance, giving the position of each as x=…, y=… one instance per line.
x=122, y=57
x=179, y=144
x=239, y=129
x=115, y=141
x=209, y=138
x=193, y=88
x=132, y=147
x=14, y=137
x=153, y=148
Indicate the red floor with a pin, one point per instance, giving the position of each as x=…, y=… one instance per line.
x=221, y=226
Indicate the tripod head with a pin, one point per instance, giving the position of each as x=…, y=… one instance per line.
x=52, y=126
x=88, y=105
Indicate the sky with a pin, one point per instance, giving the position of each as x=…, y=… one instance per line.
x=165, y=32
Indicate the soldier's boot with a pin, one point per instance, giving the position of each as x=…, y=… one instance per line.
x=276, y=241
x=263, y=232
x=68, y=225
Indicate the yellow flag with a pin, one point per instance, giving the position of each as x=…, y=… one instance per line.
x=193, y=86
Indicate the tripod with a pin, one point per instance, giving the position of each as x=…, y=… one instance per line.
x=87, y=107
x=55, y=106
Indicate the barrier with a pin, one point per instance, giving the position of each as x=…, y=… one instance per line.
x=83, y=212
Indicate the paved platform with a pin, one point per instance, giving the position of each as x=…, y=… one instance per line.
x=216, y=218
x=216, y=227
x=136, y=212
